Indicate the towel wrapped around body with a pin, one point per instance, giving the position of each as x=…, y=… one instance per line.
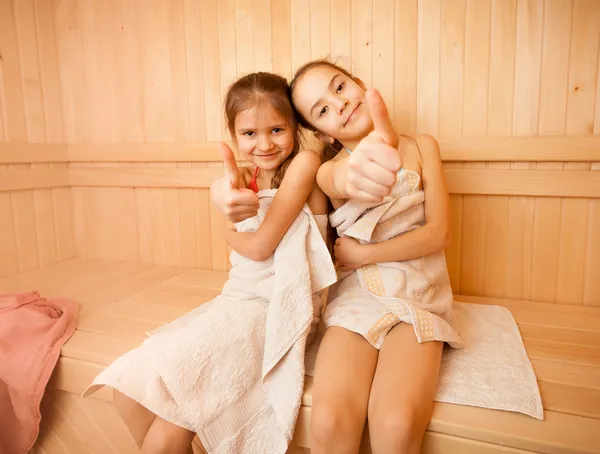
x=233, y=369
x=373, y=299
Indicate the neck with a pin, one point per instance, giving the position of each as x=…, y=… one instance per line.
x=350, y=144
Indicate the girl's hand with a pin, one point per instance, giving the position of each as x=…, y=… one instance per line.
x=373, y=165
x=350, y=253
x=233, y=200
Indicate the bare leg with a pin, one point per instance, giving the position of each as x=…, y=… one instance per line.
x=403, y=389
x=151, y=433
x=137, y=417
x=167, y=438
x=343, y=376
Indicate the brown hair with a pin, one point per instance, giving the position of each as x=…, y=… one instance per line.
x=329, y=150
x=256, y=88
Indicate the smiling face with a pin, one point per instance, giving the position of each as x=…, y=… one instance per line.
x=263, y=136
x=333, y=103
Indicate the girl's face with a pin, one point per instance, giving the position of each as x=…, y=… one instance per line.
x=263, y=136
x=333, y=103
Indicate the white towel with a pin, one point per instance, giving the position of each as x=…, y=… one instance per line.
x=233, y=369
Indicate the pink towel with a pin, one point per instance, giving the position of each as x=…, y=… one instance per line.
x=32, y=332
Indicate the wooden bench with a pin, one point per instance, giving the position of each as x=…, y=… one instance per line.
x=121, y=301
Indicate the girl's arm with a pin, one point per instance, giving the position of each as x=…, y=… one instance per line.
x=432, y=237
x=298, y=183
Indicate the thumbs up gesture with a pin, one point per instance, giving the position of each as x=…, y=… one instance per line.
x=373, y=165
x=234, y=200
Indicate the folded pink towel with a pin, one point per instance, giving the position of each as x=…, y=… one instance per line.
x=32, y=332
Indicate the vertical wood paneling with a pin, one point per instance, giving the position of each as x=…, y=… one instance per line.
x=320, y=26
x=405, y=68
x=583, y=67
x=477, y=63
x=121, y=71
x=591, y=293
x=452, y=63
x=428, y=84
x=502, y=67
x=530, y=28
x=555, y=66
x=341, y=28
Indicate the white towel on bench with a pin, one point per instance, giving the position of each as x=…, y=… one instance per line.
x=233, y=369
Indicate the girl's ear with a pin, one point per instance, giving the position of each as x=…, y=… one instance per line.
x=360, y=83
x=324, y=137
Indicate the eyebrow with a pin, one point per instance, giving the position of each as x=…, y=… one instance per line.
x=329, y=87
x=278, y=125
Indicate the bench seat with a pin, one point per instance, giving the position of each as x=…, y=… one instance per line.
x=121, y=301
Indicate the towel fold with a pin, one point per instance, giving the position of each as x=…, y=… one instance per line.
x=32, y=332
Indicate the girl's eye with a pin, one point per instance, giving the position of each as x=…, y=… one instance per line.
x=277, y=130
x=248, y=133
x=340, y=87
x=323, y=111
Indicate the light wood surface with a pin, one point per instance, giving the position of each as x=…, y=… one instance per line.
x=121, y=301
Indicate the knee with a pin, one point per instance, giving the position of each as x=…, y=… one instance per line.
x=166, y=439
x=398, y=431
x=336, y=426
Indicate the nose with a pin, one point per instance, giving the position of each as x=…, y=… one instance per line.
x=264, y=142
x=340, y=104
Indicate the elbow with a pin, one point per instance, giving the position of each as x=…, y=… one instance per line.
x=261, y=252
x=442, y=236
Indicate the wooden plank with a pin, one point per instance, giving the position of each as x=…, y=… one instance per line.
x=228, y=65
x=187, y=225
x=8, y=258
x=179, y=70
x=195, y=69
x=115, y=326
x=171, y=219
x=17, y=152
x=209, y=14
x=472, y=277
x=25, y=230
x=320, y=26
x=54, y=417
x=563, y=353
x=530, y=29
x=497, y=241
x=532, y=305
x=263, y=54
x=43, y=204
x=542, y=183
x=15, y=123
x=578, y=375
x=244, y=36
x=405, y=65
x=282, y=37
x=434, y=443
x=564, y=336
x=97, y=348
x=362, y=40
x=583, y=67
x=429, y=20
x=211, y=279
x=591, y=294
x=502, y=149
x=555, y=66
x=150, y=177
x=570, y=400
x=23, y=179
x=477, y=66
x=572, y=251
x=202, y=225
x=300, y=32
x=453, y=251
x=452, y=60
x=75, y=375
x=503, y=37
x=382, y=49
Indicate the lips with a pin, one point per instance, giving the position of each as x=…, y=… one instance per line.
x=351, y=114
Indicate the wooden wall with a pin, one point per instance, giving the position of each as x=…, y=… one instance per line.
x=35, y=225
x=116, y=80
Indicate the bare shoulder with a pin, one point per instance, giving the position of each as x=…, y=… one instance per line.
x=307, y=160
x=430, y=149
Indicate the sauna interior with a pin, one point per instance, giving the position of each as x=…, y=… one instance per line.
x=110, y=111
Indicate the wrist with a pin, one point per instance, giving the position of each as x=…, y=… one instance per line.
x=370, y=254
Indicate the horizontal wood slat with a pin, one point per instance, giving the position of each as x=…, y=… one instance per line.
x=22, y=179
x=502, y=149
x=150, y=178
x=543, y=183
